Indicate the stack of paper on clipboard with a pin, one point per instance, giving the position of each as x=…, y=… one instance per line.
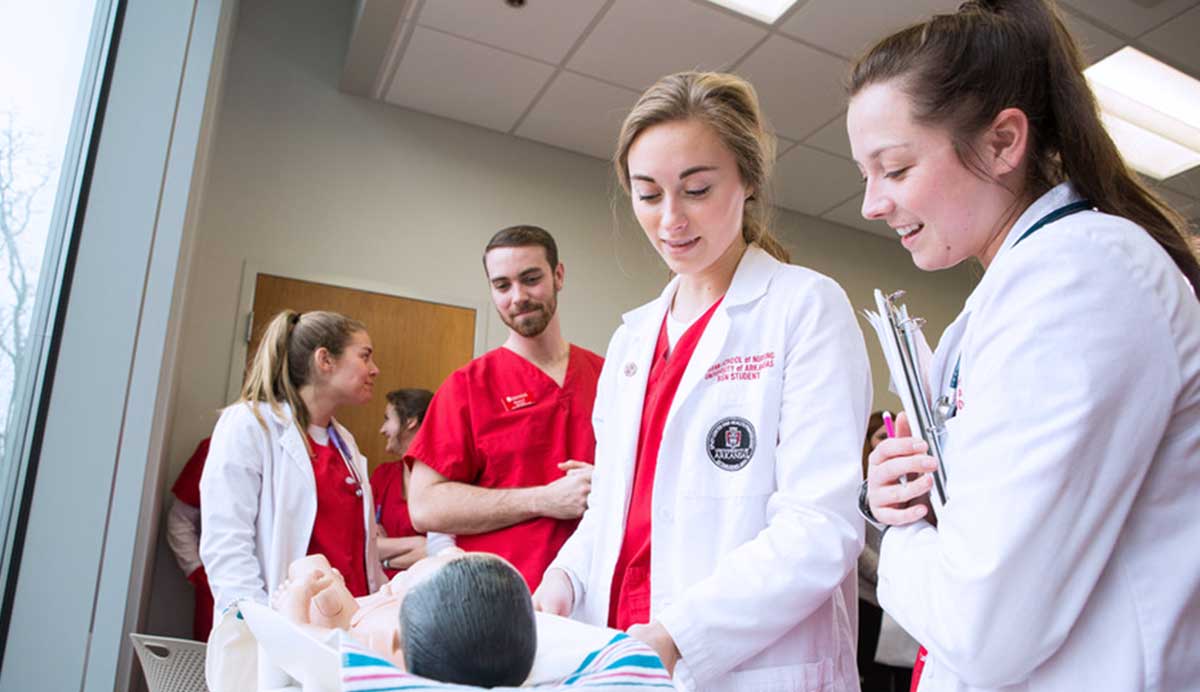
x=908, y=357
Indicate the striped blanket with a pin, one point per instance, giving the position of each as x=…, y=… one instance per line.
x=621, y=664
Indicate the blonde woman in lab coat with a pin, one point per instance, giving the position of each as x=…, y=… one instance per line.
x=1064, y=557
x=721, y=527
x=283, y=478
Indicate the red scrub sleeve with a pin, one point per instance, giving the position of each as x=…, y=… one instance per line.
x=187, y=485
x=202, y=614
x=446, y=441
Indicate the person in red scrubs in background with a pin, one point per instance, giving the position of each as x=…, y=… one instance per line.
x=399, y=544
x=183, y=536
x=504, y=459
x=721, y=529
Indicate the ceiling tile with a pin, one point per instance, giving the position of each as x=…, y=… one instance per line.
x=848, y=27
x=1131, y=18
x=1176, y=41
x=1094, y=42
x=463, y=80
x=1187, y=182
x=850, y=214
x=542, y=30
x=832, y=138
x=801, y=88
x=636, y=44
x=580, y=114
x=813, y=182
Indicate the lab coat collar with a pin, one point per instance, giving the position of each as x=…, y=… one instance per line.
x=750, y=281
x=1059, y=196
x=289, y=434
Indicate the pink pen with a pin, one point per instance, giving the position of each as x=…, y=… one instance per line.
x=890, y=426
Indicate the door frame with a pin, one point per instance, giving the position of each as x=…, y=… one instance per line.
x=484, y=312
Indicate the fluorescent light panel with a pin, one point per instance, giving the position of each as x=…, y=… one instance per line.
x=1151, y=110
x=762, y=10
x=1147, y=152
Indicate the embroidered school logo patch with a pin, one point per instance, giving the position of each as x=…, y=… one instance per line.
x=731, y=443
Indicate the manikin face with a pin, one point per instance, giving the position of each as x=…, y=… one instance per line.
x=915, y=182
x=687, y=194
x=398, y=432
x=524, y=287
x=352, y=374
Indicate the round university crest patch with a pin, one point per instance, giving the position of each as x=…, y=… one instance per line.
x=731, y=443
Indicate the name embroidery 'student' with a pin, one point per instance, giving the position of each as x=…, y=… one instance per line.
x=741, y=368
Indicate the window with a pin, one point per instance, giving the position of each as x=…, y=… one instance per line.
x=51, y=67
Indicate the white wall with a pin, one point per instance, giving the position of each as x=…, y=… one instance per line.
x=307, y=178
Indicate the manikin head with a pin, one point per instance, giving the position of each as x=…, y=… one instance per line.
x=463, y=618
x=467, y=618
x=525, y=275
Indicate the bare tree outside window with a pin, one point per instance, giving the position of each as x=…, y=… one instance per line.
x=23, y=177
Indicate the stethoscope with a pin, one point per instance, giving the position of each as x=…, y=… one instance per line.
x=344, y=451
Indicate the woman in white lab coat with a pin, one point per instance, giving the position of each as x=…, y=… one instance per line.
x=283, y=479
x=721, y=526
x=1065, y=554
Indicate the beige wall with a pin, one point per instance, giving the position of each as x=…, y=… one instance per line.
x=311, y=181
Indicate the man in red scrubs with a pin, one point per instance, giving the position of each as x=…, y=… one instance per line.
x=503, y=460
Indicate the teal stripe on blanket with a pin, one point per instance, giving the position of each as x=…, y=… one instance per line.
x=635, y=661
x=587, y=661
x=351, y=659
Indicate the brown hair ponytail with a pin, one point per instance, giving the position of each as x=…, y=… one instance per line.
x=728, y=104
x=961, y=69
x=282, y=364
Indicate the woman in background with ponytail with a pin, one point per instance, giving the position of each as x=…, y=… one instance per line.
x=1064, y=556
x=283, y=479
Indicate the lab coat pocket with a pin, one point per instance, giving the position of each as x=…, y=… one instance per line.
x=729, y=458
x=817, y=676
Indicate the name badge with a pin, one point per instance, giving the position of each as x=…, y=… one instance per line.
x=516, y=401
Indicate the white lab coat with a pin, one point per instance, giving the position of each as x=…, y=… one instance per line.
x=1066, y=557
x=259, y=501
x=752, y=569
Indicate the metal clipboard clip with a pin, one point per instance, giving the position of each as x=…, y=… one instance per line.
x=905, y=350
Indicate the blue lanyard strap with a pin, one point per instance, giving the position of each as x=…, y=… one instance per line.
x=1057, y=214
x=344, y=450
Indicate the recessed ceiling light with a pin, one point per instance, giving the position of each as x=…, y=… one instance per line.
x=1151, y=110
x=762, y=10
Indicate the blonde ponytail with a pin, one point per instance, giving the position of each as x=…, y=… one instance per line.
x=282, y=364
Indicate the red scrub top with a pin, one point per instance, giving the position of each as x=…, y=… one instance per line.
x=500, y=422
x=629, y=599
x=338, y=532
x=391, y=507
x=187, y=490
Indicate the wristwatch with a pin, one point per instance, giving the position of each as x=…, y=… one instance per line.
x=864, y=508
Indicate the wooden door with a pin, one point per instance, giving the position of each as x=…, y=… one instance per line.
x=417, y=343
